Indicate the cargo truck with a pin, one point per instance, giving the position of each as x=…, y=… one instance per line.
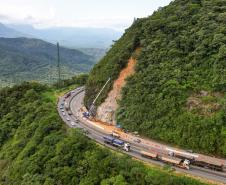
x=117, y=143
x=182, y=163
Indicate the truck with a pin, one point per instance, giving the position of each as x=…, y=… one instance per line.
x=117, y=143
x=115, y=134
x=181, y=163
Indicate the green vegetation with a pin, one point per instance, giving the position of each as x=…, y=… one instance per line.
x=97, y=53
x=111, y=65
x=79, y=80
x=37, y=148
x=183, y=53
x=24, y=59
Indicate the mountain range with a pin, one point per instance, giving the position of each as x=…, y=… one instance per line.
x=71, y=37
x=10, y=32
x=33, y=59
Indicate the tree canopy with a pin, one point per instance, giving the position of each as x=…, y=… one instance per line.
x=177, y=94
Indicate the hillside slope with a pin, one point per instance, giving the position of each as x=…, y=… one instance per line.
x=9, y=32
x=37, y=148
x=177, y=94
x=31, y=59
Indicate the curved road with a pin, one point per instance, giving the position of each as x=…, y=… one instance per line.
x=95, y=132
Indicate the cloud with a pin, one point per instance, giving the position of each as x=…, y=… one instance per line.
x=14, y=13
x=114, y=23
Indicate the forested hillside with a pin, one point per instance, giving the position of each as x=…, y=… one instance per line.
x=37, y=148
x=177, y=94
x=32, y=59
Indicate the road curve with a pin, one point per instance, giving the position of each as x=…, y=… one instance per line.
x=76, y=120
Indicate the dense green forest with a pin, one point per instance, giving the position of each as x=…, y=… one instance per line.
x=23, y=59
x=37, y=148
x=177, y=94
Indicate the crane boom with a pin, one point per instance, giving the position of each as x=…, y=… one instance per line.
x=101, y=90
x=92, y=106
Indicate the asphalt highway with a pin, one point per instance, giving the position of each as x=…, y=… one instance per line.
x=76, y=120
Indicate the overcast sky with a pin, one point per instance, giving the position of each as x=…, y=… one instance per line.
x=116, y=14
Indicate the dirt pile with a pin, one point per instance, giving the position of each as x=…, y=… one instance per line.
x=106, y=111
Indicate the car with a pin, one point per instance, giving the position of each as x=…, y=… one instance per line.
x=68, y=119
x=73, y=123
x=72, y=91
x=62, y=103
x=61, y=107
x=62, y=110
x=64, y=114
x=76, y=121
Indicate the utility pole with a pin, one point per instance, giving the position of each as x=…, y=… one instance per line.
x=58, y=65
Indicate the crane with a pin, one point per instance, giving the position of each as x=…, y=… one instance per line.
x=91, y=110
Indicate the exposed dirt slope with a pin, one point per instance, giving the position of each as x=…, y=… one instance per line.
x=106, y=111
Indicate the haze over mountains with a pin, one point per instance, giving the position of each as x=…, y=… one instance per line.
x=67, y=36
x=9, y=32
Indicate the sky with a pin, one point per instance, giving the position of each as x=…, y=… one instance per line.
x=116, y=14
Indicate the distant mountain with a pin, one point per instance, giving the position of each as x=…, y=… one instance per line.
x=9, y=32
x=97, y=53
x=72, y=37
x=32, y=59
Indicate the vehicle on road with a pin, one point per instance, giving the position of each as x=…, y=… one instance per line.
x=115, y=134
x=73, y=123
x=64, y=114
x=68, y=119
x=117, y=143
x=193, y=158
x=182, y=163
x=68, y=95
x=213, y=165
x=86, y=114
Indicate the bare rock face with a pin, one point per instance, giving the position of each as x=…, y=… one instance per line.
x=106, y=111
x=106, y=114
x=204, y=103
